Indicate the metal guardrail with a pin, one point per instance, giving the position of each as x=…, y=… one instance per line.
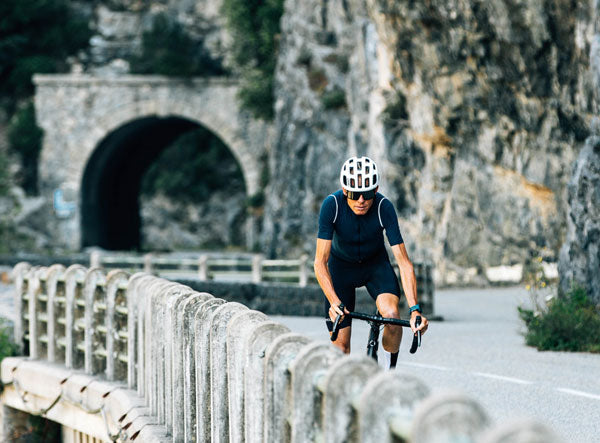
x=252, y=268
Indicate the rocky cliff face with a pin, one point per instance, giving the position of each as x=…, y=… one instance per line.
x=119, y=25
x=580, y=255
x=473, y=110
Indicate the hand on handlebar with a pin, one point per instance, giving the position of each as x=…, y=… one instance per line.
x=421, y=327
x=337, y=309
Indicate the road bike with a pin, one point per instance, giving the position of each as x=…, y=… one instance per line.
x=376, y=322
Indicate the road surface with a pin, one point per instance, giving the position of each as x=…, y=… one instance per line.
x=478, y=349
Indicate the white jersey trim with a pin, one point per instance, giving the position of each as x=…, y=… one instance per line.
x=336, y=207
x=379, y=211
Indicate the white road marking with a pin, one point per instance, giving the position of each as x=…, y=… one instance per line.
x=504, y=378
x=423, y=365
x=580, y=393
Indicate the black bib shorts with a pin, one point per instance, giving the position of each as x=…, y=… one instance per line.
x=377, y=275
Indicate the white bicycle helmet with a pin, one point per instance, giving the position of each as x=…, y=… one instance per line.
x=359, y=174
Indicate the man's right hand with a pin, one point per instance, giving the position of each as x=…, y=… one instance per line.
x=336, y=309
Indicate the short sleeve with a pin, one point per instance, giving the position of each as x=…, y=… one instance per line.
x=389, y=221
x=327, y=217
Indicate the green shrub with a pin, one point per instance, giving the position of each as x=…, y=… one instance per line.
x=193, y=167
x=168, y=50
x=25, y=139
x=36, y=36
x=334, y=99
x=254, y=26
x=7, y=346
x=569, y=323
x=5, y=178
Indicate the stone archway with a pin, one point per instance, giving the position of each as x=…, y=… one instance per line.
x=80, y=114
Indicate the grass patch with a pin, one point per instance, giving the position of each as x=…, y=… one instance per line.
x=567, y=323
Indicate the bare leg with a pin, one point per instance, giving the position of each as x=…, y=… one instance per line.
x=343, y=339
x=387, y=305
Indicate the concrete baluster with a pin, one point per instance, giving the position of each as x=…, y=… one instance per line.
x=521, y=431
x=173, y=359
x=162, y=343
x=259, y=338
x=55, y=273
x=277, y=388
x=19, y=273
x=218, y=376
x=307, y=369
x=145, y=341
x=448, y=416
x=74, y=275
x=202, y=326
x=237, y=330
x=186, y=317
x=342, y=384
x=114, y=279
x=93, y=292
x=134, y=366
x=388, y=397
x=33, y=292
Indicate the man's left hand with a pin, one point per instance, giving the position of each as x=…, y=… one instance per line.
x=424, y=323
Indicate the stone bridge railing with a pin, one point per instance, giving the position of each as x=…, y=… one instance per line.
x=122, y=358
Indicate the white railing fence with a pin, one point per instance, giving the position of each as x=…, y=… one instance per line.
x=158, y=361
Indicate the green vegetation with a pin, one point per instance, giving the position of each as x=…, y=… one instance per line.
x=568, y=323
x=25, y=139
x=36, y=36
x=334, y=99
x=194, y=166
x=168, y=50
x=254, y=26
x=7, y=346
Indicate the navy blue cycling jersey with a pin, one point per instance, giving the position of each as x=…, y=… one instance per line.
x=358, y=238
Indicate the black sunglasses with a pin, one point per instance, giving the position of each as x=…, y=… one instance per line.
x=367, y=195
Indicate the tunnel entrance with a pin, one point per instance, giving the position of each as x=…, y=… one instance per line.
x=112, y=181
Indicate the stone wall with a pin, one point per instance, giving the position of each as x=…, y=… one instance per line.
x=474, y=112
x=145, y=356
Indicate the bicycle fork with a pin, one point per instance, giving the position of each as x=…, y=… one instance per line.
x=373, y=343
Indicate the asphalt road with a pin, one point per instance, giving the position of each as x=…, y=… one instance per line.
x=478, y=349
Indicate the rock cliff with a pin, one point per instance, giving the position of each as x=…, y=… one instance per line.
x=473, y=110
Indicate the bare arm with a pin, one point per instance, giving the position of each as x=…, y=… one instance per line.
x=409, y=281
x=324, y=277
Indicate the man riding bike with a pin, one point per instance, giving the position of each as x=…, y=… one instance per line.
x=351, y=253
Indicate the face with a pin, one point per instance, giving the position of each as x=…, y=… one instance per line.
x=360, y=206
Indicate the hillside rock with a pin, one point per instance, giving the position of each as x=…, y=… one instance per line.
x=580, y=255
x=472, y=110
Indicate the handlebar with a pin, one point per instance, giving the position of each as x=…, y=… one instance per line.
x=416, y=343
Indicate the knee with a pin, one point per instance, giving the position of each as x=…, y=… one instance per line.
x=389, y=311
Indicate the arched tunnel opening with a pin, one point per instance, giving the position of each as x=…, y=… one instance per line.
x=112, y=181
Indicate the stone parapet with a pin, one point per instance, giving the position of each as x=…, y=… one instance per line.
x=186, y=366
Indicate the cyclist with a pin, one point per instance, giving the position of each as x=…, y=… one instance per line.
x=351, y=253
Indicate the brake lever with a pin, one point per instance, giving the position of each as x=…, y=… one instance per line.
x=336, y=323
x=416, y=343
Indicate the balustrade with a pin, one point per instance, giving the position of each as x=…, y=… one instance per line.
x=172, y=364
